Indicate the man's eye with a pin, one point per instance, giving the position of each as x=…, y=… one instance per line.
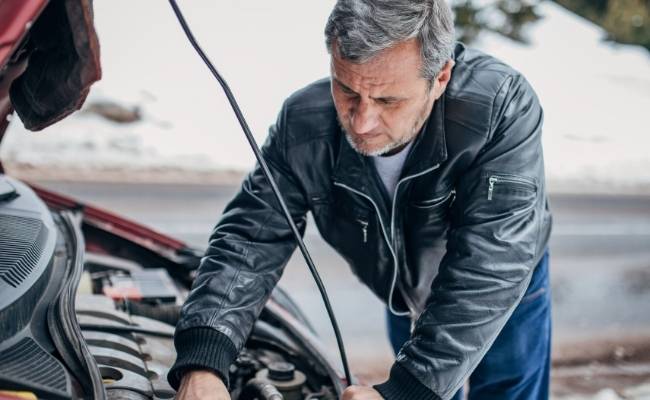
x=350, y=94
x=387, y=102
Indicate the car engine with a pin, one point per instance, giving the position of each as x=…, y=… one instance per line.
x=87, y=311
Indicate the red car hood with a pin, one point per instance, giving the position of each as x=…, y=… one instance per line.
x=49, y=57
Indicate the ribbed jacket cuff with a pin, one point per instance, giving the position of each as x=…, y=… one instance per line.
x=201, y=348
x=401, y=385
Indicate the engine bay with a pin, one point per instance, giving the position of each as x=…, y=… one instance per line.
x=87, y=313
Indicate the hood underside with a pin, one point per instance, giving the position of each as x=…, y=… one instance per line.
x=49, y=58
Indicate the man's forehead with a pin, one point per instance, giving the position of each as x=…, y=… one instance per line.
x=353, y=74
x=394, y=66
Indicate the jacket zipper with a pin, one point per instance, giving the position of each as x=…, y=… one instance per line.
x=364, y=229
x=392, y=225
x=491, y=181
x=499, y=178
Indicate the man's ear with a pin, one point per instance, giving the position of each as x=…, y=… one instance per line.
x=442, y=79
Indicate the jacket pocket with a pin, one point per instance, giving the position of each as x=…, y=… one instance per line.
x=435, y=202
x=499, y=184
x=427, y=221
x=503, y=211
x=342, y=224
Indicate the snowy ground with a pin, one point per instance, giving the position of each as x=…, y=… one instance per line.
x=596, y=95
x=637, y=393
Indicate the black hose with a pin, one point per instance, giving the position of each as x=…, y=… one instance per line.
x=62, y=322
x=261, y=390
x=269, y=177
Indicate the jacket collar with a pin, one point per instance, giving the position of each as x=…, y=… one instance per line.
x=429, y=149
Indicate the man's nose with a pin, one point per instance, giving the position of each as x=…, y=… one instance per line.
x=364, y=118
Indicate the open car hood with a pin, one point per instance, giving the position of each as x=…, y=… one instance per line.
x=49, y=58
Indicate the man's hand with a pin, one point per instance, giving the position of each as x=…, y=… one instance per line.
x=202, y=385
x=361, y=393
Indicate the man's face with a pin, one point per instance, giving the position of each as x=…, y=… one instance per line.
x=383, y=103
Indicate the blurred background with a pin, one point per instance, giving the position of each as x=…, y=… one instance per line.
x=157, y=142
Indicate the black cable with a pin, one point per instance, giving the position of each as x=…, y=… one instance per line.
x=269, y=177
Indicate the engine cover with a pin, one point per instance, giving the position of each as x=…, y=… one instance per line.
x=28, y=240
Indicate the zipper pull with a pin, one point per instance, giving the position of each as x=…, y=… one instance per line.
x=364, y=229
x=492, y=181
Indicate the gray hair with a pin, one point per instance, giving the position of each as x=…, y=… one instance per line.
x=363, y=28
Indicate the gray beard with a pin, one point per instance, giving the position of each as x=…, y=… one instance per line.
x=382, y=150
x=390, y=146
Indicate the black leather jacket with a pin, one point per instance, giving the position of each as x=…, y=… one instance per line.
x=455, y=247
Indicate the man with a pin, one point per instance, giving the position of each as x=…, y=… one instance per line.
x=421, y=162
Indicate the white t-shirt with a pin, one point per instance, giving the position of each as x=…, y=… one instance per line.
x=390, y=168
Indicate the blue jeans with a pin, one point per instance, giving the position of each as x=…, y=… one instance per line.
x=517, y=365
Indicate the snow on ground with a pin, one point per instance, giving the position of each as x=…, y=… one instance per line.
x=636, y=393
x=596, y=95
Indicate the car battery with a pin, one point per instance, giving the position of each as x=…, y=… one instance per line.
x=148, y=285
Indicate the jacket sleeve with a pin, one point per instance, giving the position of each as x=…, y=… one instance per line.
x=247, y=252
x=492, y=248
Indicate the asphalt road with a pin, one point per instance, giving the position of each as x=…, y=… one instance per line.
x=600, y=263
